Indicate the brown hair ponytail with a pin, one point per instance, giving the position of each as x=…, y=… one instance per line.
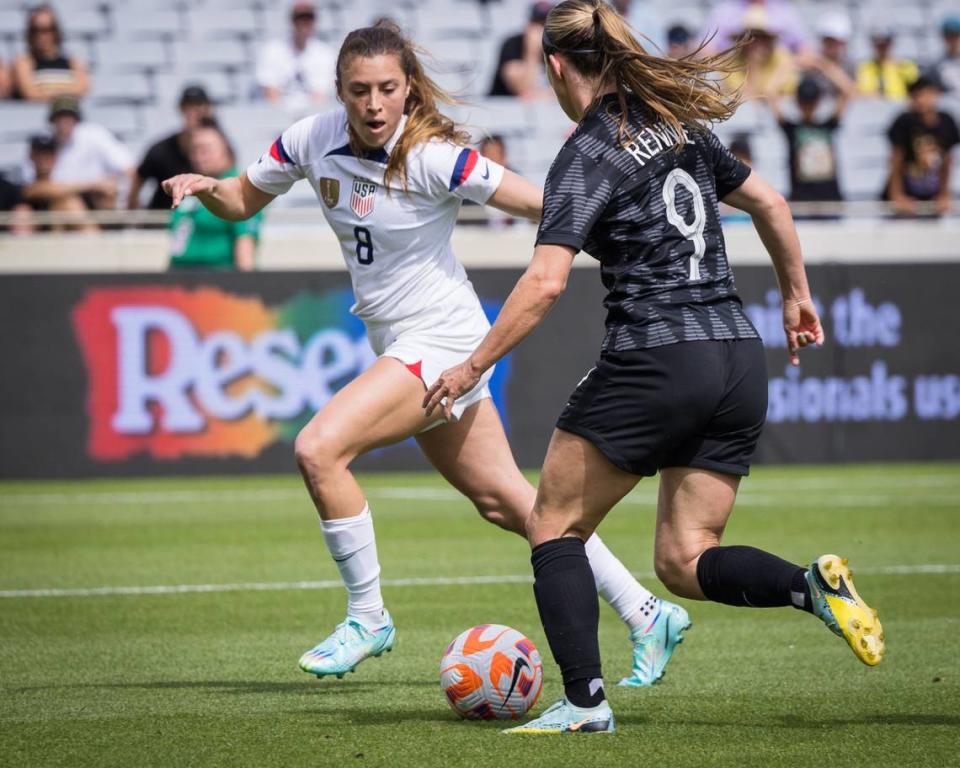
x=424, y=119
x=600, y=44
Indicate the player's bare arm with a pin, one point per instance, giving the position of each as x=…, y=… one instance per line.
x=774, y=223
x=518, y=197
x=233, y=199
x=531, y=299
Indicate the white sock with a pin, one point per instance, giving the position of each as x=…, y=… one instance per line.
x=635, y=604
x=353, y=546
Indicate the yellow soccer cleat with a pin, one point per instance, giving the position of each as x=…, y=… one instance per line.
x=837, y=603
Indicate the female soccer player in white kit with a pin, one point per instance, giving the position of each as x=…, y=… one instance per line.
x=390, y=172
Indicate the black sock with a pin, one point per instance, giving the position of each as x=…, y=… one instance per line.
x=567, y=600
x=751, y=577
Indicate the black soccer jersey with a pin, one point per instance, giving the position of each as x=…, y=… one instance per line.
x=650, y=215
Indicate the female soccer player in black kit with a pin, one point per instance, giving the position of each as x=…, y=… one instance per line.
x=681, y=385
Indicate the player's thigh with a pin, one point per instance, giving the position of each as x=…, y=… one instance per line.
x=382, y=406
x=474, y=456
x=579, y=485
x=692, y=511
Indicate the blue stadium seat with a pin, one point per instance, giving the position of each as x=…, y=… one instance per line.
x=20, y=119
x=133, y=22
x=12, y=156
x=118, y=55
x=120, y=88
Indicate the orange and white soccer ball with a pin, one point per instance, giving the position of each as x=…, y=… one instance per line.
x=491, y=671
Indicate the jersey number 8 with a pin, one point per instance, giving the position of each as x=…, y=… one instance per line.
x=693, y=230
x=364, y=245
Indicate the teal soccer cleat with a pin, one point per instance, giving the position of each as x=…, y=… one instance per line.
x=563, y=717
x=348, y=645
x=653, y=648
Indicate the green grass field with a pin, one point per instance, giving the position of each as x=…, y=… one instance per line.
x=196, y=678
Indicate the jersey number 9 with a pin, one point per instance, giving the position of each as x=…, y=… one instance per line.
x=364, y=245
x=693, y=230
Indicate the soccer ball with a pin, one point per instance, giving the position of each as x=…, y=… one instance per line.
x=491, y=671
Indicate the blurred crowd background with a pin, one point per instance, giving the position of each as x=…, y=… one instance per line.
x=102, y=99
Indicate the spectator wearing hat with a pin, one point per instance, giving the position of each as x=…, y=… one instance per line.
x=761, y=59
x=520, y=69
x=921, y=140
x=201, y=240
x=882, y=75
x=45, y=192
x=947, y=69
x=45, y=71
x=87, y=154
x=812, y=155
x=679, y=41
x=297, y=71
x=645, y=19
x=834, y=31
x=170, y=156
x=725, y=24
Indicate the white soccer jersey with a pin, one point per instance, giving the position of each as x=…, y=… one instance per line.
x=397, y=245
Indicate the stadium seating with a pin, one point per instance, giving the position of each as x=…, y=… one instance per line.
x=142, y=52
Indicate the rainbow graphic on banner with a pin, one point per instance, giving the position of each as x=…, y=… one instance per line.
x=175, y=371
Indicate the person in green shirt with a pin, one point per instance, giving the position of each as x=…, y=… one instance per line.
x=200, y=239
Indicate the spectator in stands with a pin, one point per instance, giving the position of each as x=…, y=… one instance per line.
x=297, y=72
x=882, y=75
x=761, y=59
x=200, y=239
x=810, y=139
x=679, y=42
x=45, y=193
x=921, y=140
x=45, y=71
x=6, y=86
x=740, y=148
x=520, y=69
x=725, y=23
x=834, y=30
x=87, y=155
x=644, y=17
x=11, y=201
x=170, y=156
x=494, y=147
x=947, y=69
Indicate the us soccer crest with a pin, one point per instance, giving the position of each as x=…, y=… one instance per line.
x=330, y=191
x=363, y=196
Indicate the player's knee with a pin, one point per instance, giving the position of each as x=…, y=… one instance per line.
x=677, y=569
x=544, y=524
x=317, y=450
x=497, y=508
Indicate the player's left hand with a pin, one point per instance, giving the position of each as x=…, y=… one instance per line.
x=802, y=326
x=450, y=385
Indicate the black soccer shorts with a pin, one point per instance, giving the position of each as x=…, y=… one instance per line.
x=695, y=404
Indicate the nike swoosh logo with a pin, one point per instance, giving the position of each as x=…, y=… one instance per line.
x=574, y=727
x=486, y=171
x=518, y=666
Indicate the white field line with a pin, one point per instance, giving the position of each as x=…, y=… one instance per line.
x=773, y=495
x=435, y=581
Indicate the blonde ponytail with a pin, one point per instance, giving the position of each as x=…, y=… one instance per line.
x=600, y=44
